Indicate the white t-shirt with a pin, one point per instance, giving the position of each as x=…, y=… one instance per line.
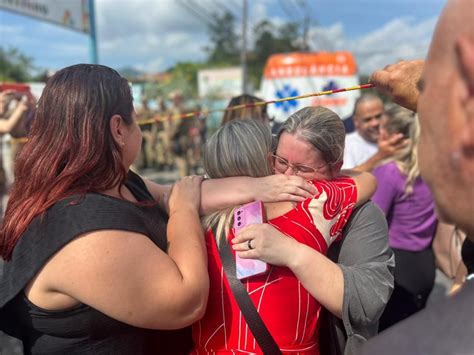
x=357, y=150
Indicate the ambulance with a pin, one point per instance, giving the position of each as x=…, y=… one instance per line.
x=301, y=73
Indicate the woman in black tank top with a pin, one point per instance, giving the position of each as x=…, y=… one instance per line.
x=93, y=262
x=91, y=258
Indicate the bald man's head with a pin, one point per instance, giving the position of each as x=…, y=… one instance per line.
x=368, y=111
x=446, y=112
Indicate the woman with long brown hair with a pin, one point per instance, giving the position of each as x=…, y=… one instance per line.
x=92, y=258
x=80, y=234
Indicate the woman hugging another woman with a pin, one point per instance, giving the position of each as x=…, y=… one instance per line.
x=289, y=296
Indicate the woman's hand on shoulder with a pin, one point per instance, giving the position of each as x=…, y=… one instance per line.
x=186, y=194
x=282, y=187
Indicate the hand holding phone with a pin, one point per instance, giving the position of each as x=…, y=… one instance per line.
x=249, y=214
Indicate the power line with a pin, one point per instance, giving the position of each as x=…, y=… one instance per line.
x=302, y=6
x=286, y=10
x=297, y=7
x=237, y=5
x=222, y=6
x=197, y=6
x=184, y=4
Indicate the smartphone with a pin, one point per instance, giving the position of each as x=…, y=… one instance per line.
x=243, y=216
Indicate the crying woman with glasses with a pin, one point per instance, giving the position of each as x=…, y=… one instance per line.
x=302, y=280
x=311, y=145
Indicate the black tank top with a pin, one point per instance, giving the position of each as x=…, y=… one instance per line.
x=81, y=329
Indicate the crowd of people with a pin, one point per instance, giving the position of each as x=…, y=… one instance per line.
x=101, y=260
x=170, y=141
x=16, y=113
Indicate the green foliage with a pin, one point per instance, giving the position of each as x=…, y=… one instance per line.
x=224, y=50
x=267, y=43
x=269, y=39
x=224, y=40
x=14, y=65
x=184, y=77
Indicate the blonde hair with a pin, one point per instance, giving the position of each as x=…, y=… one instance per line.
x=238, y=148
x=401, y=120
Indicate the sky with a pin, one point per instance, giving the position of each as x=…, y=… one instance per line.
x=153, y=35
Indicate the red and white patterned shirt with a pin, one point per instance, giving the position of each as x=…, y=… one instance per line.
x=290, y=313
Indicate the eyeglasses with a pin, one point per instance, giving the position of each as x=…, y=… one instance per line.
x=281, y=165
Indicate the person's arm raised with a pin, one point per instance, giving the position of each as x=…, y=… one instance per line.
x=127, y=277
x=7, y=125
x=387, y=149
x=400, y=82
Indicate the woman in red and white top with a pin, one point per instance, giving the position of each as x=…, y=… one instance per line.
x=287, y=297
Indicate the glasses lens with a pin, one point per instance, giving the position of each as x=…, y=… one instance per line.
x=304, y=169
x=280, y=163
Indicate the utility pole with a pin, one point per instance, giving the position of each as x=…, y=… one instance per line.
x=243, y=53
x=306, y=23
x=94, y=57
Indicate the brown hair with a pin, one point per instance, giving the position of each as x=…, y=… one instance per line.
x=248, y=113
x=70, y=149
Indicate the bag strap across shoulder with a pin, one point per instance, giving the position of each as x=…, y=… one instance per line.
x=253, y=319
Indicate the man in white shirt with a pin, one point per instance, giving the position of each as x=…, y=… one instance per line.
x=364, y=151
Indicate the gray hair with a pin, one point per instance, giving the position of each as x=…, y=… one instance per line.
x=320, y=127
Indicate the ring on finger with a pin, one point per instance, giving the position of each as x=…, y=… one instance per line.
x=249, y=244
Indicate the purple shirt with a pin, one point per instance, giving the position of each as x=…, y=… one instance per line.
x=411, y=219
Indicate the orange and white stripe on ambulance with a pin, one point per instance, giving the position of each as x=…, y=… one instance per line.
x=296, y=64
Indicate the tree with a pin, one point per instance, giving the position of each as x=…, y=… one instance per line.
x=289, y=38
x=267, y=43
x=225, y=49
x=14, y=65
x=184, y=77
x=269, y=39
